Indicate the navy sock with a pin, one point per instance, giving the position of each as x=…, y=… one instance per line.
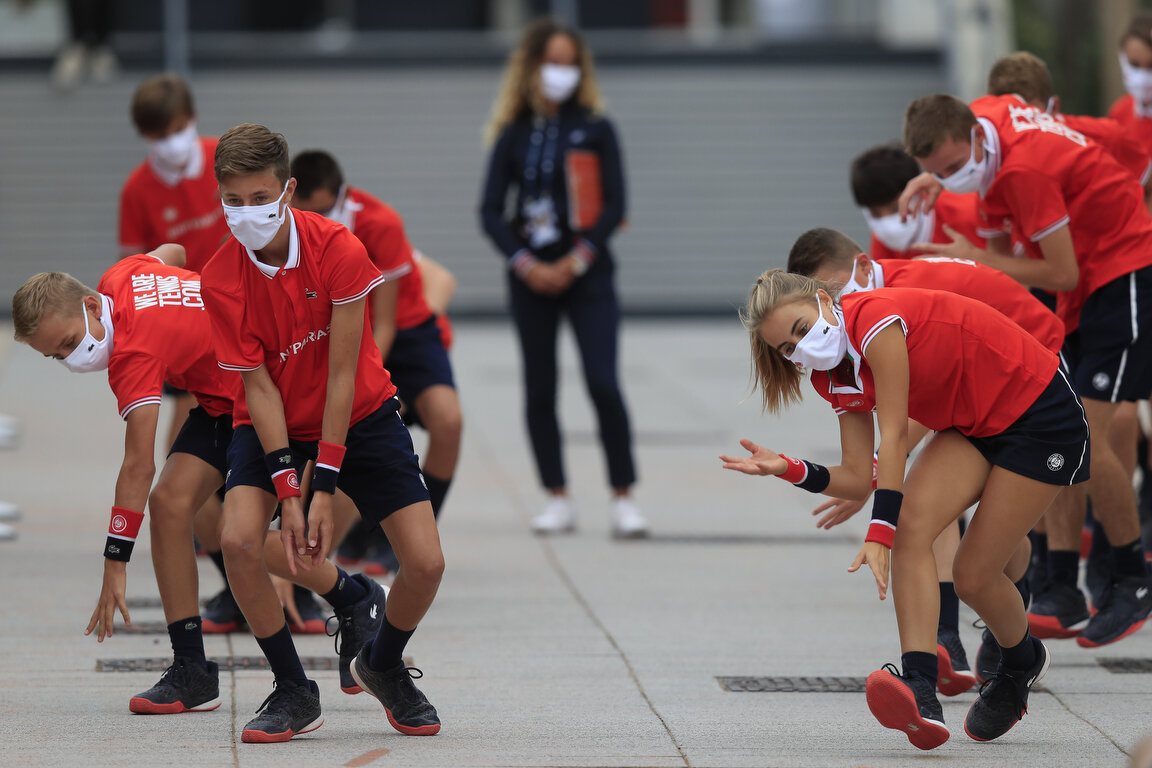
x=1130, y=560
x=1039, y=547
x=949, y=607
x=920, y=663
x=437, y=490
x=187, y=639
x=1063, y=566
x=1025, y=589
x=388, y=647
x=347, y=591
x=282, y=657
x=218, y=559
x=1022, y=655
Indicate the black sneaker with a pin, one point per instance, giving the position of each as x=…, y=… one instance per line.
x=1122, y=611
x=408, y=710
x=186, y=686
x=1057, y=611
x=313, y=616
x=1099, y=567
x=954, y=676
x=221, y=615
x=291, y=709
x=907, y=704
x=356, y=626
x=1004, y=698
x=987, y=656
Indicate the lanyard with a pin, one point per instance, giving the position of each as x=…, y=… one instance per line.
x=540, y=162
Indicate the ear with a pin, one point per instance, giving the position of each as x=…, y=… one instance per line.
x=94, y=305
x=863, y=268
x=289, y=190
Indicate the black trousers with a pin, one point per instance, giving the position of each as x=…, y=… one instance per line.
x=591, y=307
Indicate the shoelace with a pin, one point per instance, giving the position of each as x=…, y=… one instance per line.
x=278, y=691
x=411, y=694
x=1009, y=688
x=176, y=675
x=893, y=669
x=342, y=630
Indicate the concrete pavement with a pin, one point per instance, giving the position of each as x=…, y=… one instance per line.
x=572, y=651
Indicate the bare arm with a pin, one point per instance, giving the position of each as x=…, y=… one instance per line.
x=172, y=254
x=384, y=297
x=1056, y=271
x=439, y=284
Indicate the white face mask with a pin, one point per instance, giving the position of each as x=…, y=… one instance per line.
x=341, y=212
x=823, y=347
x=255, y=225
x=174, y=152
x=92, y=355
x=901, y=235
x=852, y=286
x=558, y=82
x=1137, y=81
x=971, y=175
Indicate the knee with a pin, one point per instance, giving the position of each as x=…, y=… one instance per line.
x=241, y=549
x=165, y=508
x=425, y=569
x=445, y=424
x=969, y=582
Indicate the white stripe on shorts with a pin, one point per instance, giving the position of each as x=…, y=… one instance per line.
x=1135, y=334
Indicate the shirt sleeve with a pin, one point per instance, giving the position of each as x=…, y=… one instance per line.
x=348, y=273
x=136, y=380
x=612, y=181
x=135, y=234
x=387, y=245
x=1036, y=201
x=236, y=348
x=497, y=182
x=874, y=315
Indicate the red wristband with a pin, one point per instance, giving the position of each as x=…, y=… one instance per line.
x=796, y=471
x=125, y=523
x=330, y=455
x=881, y=532
x=287, y=484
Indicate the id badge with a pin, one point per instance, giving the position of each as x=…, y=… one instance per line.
x=540, y=222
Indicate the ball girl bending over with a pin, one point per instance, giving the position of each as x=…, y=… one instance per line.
x=1011, y=432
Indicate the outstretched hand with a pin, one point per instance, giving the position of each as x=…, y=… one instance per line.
x=878, y=558
x=762, y=461
x=959, y=247
x=836, y=511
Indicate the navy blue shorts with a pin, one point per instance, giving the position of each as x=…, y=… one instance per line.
x=1049, y=442
x=205, y=437
x=1110, y=354
x=380, y=472
x=418, y=360
x=168, y=389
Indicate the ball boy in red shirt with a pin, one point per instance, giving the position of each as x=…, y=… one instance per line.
x=287, y=301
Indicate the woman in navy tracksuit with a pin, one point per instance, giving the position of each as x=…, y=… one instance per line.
x=553, y=144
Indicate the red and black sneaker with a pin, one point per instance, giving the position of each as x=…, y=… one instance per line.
x=907, y=704
x=186, y=686
x=954, y=676
x=1058, y=611
x=406, y=707
x=221, y=615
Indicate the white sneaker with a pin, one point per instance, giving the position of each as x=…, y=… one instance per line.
x=9, y=511
x=7, y=532
x=69, y=68
x=627, y=522
x=9, y=431
x=559, y=516
x=102, y=65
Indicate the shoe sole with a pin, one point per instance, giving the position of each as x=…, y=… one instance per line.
x=260, y=737
x=1087, y=642
x=950, y=681
x=309, y=627
x=1038, y=678
x=212, y=628
x=894, y=706
x=143, y=706
x=554, y=531
x=641, y=533
x=1049, y=627
x=407, y=730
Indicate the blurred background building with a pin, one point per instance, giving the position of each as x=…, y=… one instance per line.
x=738, y=117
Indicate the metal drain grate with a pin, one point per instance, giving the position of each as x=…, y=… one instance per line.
x=230, y=664
x=748, y=539
x=792, y=684
x=146, y=602
x=144, y=628
x=1126, y=666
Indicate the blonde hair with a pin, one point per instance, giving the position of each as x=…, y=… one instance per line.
x=519, y=92
x=250, y=148
x=776, y=376
x=48, y=292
